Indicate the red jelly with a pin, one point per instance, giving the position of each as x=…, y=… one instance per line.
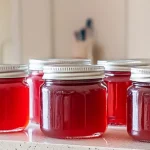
x=117, y=84
x=14, y=98
x=138, y=104
x=73, y=103
x=35, y=81
x=117, y=78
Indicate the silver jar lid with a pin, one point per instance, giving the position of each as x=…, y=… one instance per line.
x=123, y=65
x=140, y=74
x=73, y=72
x=13, y=71
x=37, y=64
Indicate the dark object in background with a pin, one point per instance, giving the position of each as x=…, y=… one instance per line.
x=89, y=23
x=82, y=35
x=84, y=41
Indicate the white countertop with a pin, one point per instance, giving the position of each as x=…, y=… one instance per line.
x=32, y=139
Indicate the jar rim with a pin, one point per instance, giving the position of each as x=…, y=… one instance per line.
x=13, y=70
x=73, y=72
x=38, y=64
x=140, y=74
x=123, y=65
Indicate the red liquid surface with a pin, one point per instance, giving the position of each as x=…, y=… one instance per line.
x=117, y=84
x=35, y=81
x=138, y=111
x=14, y=105
x=73, y=109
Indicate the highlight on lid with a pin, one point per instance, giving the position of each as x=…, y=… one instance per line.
x=37, y=64
x=122, y=65
x=140, y=74
x=13, y=70
x=73, y=72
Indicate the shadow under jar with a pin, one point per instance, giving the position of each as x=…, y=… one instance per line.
x=138, y=104
x=73, y=103
x=14, y=98
x=117, y=78
x=35, y=81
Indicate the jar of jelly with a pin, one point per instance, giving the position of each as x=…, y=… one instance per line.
x=14, y=98
x=138, y=104
x=117, y=78
x=35, y=81
x=73, y=103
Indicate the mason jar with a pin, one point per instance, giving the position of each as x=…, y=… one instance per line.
x=73, y=103
x=14, y=98
x=138, y=104
x=35, y=81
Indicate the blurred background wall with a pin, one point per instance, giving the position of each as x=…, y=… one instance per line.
x=138, y=28
x=44, y=28
x=5, y=27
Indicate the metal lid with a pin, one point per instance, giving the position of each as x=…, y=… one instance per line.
x=73, y=72
x=13, y=71
x=140, y=74
x=123, y=65
x=37, y=64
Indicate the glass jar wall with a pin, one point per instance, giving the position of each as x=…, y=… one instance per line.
x=138, y=104
x=35, y=81
x=14, y=98
x=73, y=103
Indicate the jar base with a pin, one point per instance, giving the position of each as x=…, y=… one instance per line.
x=146, y=141
x=142, y=136
x=95, y=135
x=12, y=130
x=116, y=122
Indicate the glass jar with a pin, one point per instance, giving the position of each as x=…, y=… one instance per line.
x=14, y=96
x=73, y=103
x=117, y=84
x=138, y=104
x=35, y=81
x=117, y=78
